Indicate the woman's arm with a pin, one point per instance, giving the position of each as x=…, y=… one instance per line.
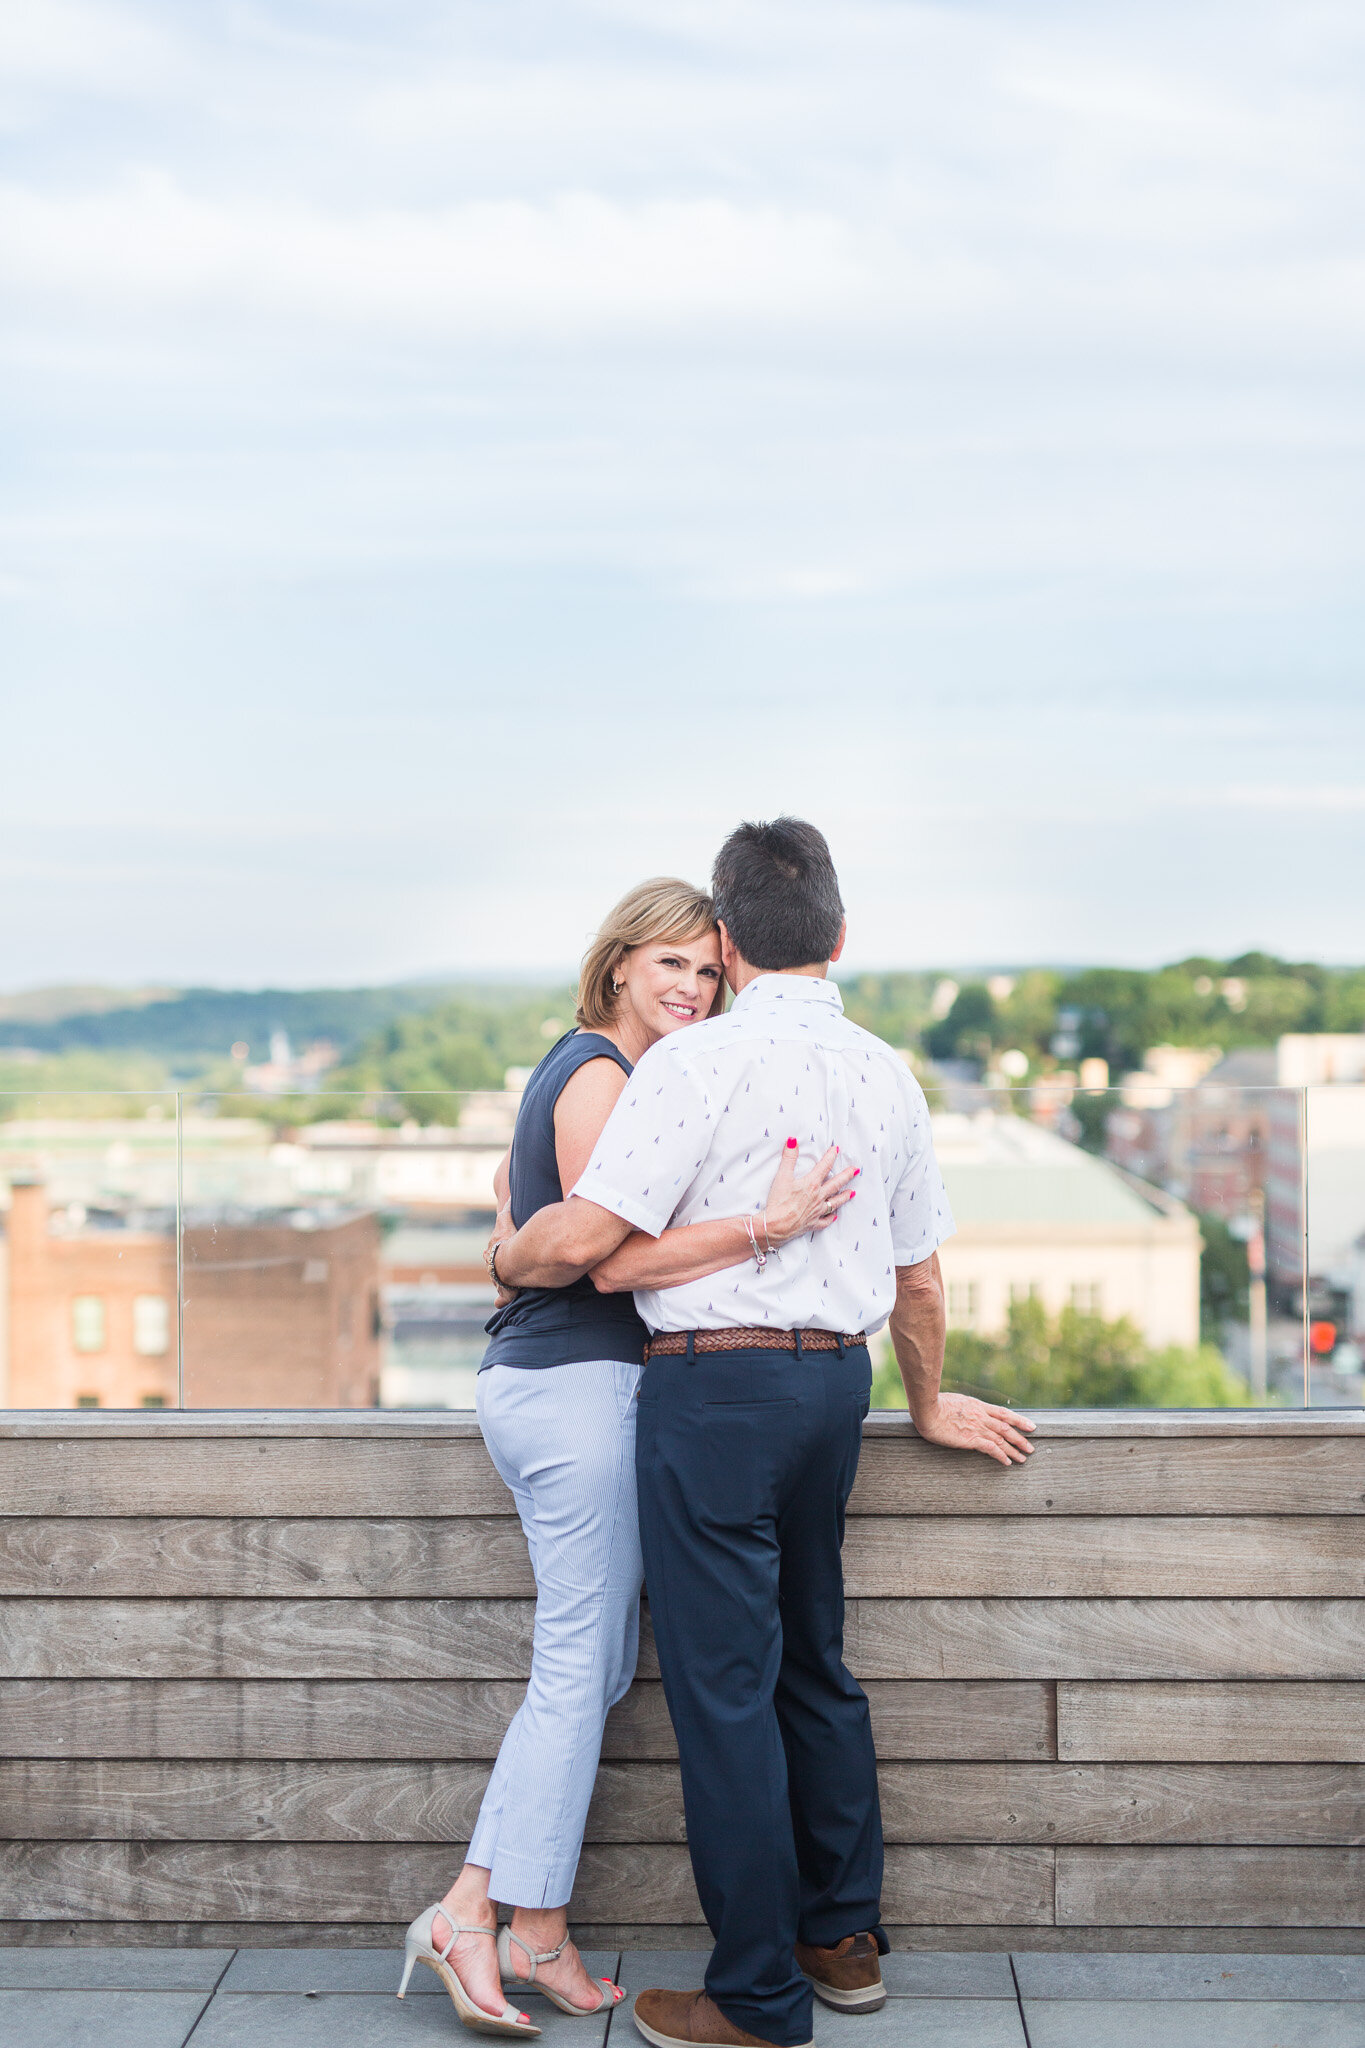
x=560, y=1242
x=693, y=1251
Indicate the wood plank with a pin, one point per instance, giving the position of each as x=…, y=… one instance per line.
x=452, y=1719
x=365, y=1882
x=256, y=1557
x=450, y=1425
x=364, y=1638
x=1135, y=1474
x=372, y=1425
x=1211, y=1887
x=618, y=1934
x=1099, y=1556
x=1122, y=1802
x=1111, y=1639
x=133, y=1799
x=265, y=1638
x=884, y=1557
x=1217, y=1723
x=298, y=1468
x=261, y=1801
x=233, y=1476
x=1168, y=1423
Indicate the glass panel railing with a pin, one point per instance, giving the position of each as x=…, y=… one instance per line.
x=1142, y=1244
x=1333, y=1182
x=1111, y=1241
x=88, y=1288
x=333, y=1248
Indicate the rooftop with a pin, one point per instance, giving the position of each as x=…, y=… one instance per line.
x=297, y=1997
x=1004, y=1169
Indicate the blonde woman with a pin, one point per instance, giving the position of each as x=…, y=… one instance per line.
x=556, y=1404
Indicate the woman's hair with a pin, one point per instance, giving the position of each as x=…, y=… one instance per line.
x=663, y=908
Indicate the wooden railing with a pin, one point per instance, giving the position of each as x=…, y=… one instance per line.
x=255, y=1666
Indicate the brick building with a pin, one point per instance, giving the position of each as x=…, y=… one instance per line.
x=277, y=1314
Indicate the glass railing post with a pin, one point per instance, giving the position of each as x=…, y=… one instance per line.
x=1307, y=1335
x=179, y=1249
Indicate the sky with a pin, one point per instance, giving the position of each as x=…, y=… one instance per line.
x=461, y=458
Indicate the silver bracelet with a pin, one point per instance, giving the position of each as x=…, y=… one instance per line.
x=760, y=1256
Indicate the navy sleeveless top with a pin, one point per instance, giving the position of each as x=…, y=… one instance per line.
x=558, y=1325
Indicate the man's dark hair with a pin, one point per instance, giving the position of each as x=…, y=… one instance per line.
x=778, y=895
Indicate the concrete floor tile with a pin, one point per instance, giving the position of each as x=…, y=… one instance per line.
x=98, y=2019
x=377, y=1971
x=1188, y=2023
x=112, y=1969
x=1168, y=1976
x=981, y=1975
x=922, y=2023
x=663, y=1969
x=268, y=2019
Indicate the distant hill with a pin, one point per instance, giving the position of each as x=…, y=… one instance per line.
x=204, y=1022
x=50, y=1005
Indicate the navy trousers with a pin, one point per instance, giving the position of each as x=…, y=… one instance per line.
x=745, y=1461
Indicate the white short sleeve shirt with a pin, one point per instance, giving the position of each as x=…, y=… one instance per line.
x=700, y=1127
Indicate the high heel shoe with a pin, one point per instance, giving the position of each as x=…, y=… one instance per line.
x=613, y=1995
x=419, y=1946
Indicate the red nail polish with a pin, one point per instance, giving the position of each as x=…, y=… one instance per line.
x=791, y=1144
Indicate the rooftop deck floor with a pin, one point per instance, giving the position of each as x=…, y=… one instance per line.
x=295, y=1998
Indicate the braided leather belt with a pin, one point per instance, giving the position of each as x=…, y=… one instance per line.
x=675, y=1343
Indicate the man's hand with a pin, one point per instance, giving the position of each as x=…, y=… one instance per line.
x=963, y=1423
x=503, y=1228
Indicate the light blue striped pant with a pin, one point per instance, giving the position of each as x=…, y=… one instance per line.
x=563, y=1439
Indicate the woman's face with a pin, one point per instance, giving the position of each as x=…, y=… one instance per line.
x=669, y=983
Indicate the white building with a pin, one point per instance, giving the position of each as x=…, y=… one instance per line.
x=1038, y=1217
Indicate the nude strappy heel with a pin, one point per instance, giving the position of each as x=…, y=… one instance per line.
x=612, y=1996
x=420, y=1947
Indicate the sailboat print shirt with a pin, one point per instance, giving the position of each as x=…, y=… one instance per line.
x=700, y=1126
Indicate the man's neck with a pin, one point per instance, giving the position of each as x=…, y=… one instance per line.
x=741, y=973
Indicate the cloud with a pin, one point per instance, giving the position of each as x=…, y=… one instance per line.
x=946, y=419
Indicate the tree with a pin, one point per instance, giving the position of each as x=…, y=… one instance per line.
x=1074, y=1361
x=968, y=1030
x=1224, y=1279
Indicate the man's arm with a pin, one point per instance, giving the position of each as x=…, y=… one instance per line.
x=918, y=1328
x=559, y=1244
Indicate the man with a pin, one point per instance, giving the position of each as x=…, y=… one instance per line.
x=750, y=1423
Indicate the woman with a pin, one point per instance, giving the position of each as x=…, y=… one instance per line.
x=556, y=1404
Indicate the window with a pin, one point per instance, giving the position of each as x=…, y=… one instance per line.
x=1025, y=1290
x=1087, y=1297
x=87, y=1324
x=962, y=1303
x=87, y=1400
x=151, y=1325
x=154, y=1400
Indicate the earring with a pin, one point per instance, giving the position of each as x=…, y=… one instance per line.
x=616, y=988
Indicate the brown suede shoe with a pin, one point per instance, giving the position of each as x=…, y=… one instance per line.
x=848, y=1976
x=678, y=2017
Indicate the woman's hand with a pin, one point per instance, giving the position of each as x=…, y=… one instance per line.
x=503, y=1228
x=795, y=1207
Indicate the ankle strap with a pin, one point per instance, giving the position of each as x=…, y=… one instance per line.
x=551, y=1955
